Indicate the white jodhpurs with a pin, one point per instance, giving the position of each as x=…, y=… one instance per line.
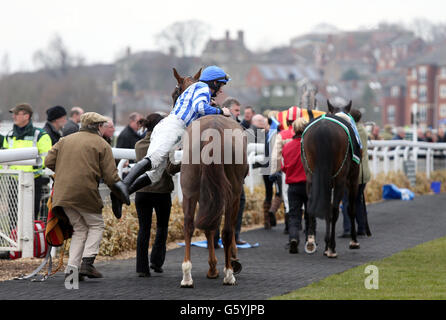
x=165, y=136
x=285, y=194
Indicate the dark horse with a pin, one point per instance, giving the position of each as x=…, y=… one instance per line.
x=215, y=182
x=330, y=170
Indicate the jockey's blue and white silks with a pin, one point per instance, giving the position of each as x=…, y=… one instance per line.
x=193, y=103
x=272, y=129
x=355, y=130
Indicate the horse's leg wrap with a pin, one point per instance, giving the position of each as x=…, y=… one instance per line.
x=310, y=245
x=266, y=220
x=187, y=281
x=277, y=201
x=229, y=278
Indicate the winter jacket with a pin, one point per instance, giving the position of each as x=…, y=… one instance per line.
x=70, y=127
x=364, y=170
x=80, y=161
x=127, y=138
x=292, y=164
x=26, y=137
x=282, y=138
x=53, y=133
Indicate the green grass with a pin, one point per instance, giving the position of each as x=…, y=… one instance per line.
x=416, y=273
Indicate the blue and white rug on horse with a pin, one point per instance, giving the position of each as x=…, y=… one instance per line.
x=204, y=244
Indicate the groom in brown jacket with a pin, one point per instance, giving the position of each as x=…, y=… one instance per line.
x=80, y=160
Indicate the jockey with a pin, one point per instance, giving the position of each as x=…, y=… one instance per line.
x=192, y=104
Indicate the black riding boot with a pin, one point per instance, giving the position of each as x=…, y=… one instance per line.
x=140, y=182
x=88, y=270
x=138, y=169
x=135, y=180
x=118, y=196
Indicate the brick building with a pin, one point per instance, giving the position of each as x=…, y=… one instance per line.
x=426, y=88
x=393, y=97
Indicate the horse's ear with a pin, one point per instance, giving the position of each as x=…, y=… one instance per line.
x=330, y=107
x=198, y=74
x=177, y=76
x=348, y=107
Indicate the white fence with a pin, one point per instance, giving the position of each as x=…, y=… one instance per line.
x=17, y=211
x=384, y=156
x=388, y=155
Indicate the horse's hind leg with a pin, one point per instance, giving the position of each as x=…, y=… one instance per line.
x=228, y=238
x=189, y=205
x=236, y=265
x=213, y=272
x=338, y=192
x=352, y=192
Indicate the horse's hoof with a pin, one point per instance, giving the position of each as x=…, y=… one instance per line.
x=310, y=247
x=332, y=255
x=354, y=245
x=229, y=278
x=236, y=266
x=212, y=276
x=187, y=284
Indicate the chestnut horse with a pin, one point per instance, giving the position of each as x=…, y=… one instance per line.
x=330, y=170
x=183, y=83
x=216, y=185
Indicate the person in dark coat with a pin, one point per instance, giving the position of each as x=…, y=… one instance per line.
x=56, y=119
x=158, y=197
x=247, y=117
x=72, y=124
x=296, y=179
x=129, y=136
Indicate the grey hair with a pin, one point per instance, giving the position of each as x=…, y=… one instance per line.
x=133, y=116
x=229, y=101
x=94, y=126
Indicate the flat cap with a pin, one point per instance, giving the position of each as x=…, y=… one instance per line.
x=22, y=107
x=92, y=117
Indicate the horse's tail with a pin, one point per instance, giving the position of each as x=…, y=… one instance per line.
x=215, y=196
x=320, y=192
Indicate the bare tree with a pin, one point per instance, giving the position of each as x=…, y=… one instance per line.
x=56, y=57
x=5, y=66
x=185, y=37
x=427, y=30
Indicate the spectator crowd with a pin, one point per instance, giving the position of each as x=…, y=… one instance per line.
x=92, y=135
x=399, y=133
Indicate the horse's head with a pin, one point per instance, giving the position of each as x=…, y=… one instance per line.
x=183, y=83
x=333, y=109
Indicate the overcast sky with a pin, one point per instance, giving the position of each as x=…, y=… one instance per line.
x=100, y=29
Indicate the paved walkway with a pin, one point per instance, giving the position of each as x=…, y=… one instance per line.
x=268, y=270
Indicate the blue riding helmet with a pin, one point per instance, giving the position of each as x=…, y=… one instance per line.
x=214, y=73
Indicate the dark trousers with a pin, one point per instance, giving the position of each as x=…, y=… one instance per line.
x=269, y=188
x=145, y=202
x=38, y=184
x=297, y=196
x=360, y=211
